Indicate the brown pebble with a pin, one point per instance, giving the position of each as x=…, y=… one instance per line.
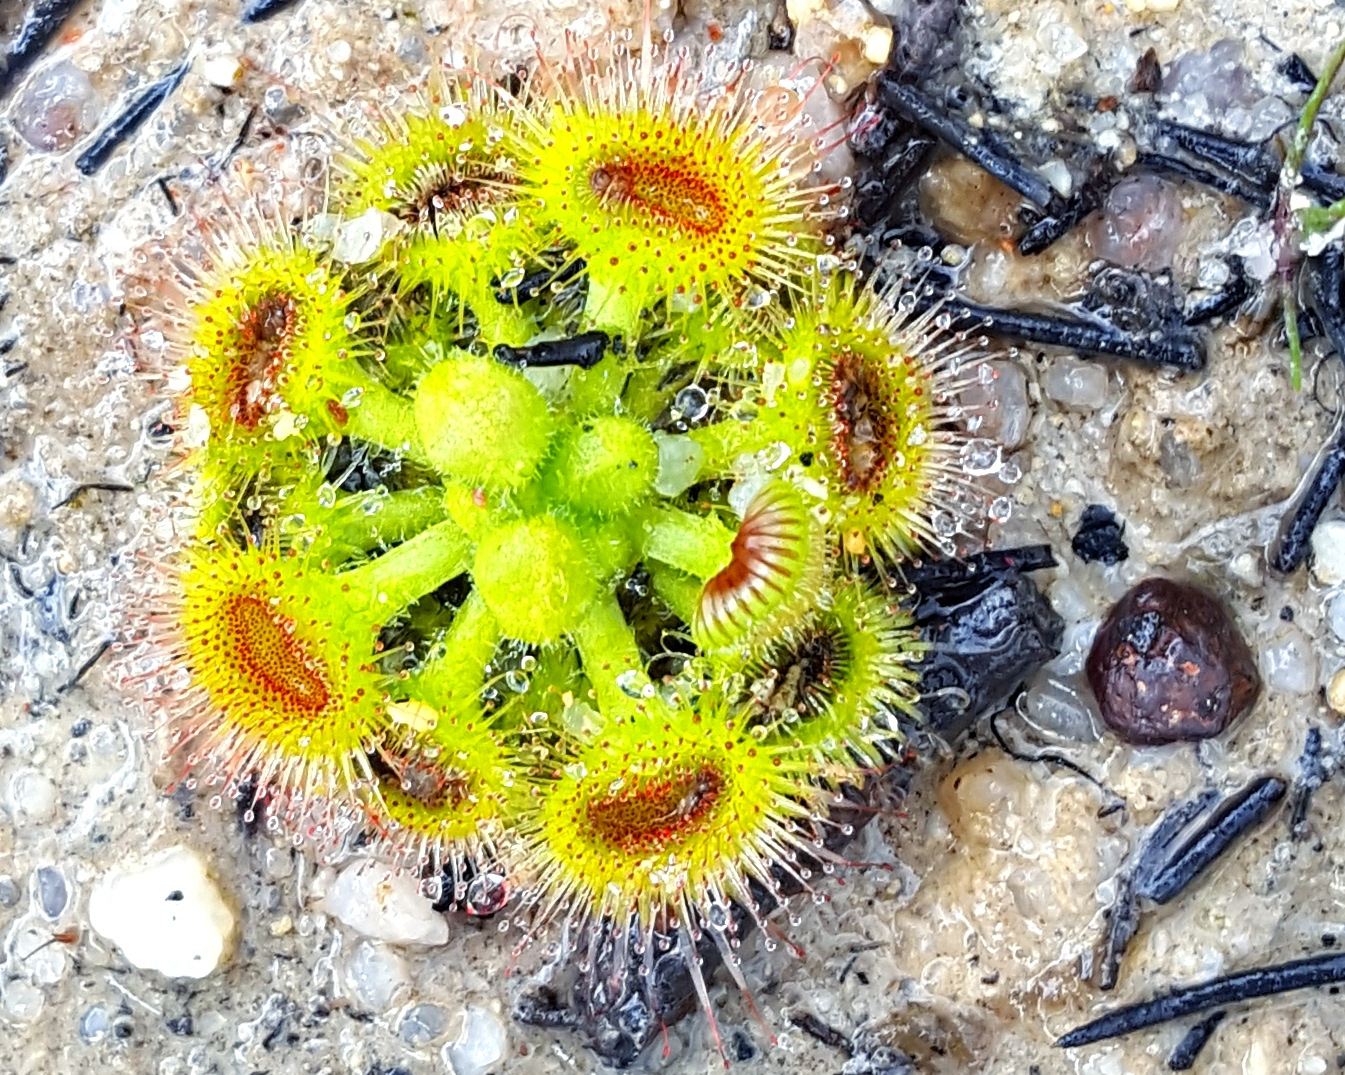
x=1148, y=76
x=966, y=203
x=1169, y=664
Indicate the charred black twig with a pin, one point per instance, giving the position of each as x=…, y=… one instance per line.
x=1154, y=854
x=939, y=575
x=1184, y=1055
x=162, y=184
x=1254, y=162
x=85, y=668
x=855, y=952
x=531, y=285
x=976, y=146
x=107, y=140
x=83, y=487
x=1296, y=532
x=1160, y=872
x=217, y=162
x=1062, y=218
x=40, y=24
x=1182, y=351
x=1326, y=284
x=585, y=351
x=260, y=10
x=1324, y=969
x=1326, y=287
x=1233, y=185
x=1222, y=303
x=882, y=181
x=1312, y=774
x=1123, y=922
x=1229, y=820
x=820, y=1031
x=1322, y=181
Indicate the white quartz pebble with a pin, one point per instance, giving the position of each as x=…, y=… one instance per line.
x=165, y=914
x=1076, y=383
x=1290, y=663
x=480, y=1046
x=222, y=69
x=21, y=1001
x=32, y=798
x=375, y=974
x=1328, y=552
x=385, y=904
x=1335, y=615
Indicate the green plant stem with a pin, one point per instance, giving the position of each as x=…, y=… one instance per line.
x=613, y=309
x=643, y=399
x=679, y=592
x=697, y=545
x=384, y=418
x=496, y=322
x=363, y=520
x=596, y=391
x=1295, y=340
x=452, y=679
x=608, y=649
x=404, y=363
x=1316, y=219
x=1298, y=149
x=411, y=570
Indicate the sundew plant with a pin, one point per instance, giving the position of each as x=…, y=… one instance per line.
x=556, y=532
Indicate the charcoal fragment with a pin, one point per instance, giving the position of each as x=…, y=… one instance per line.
x=989, y=630
x=1100, y=537
x=181, y=1025
x=741, y=1047
x=780, y=31
x=1168, y=664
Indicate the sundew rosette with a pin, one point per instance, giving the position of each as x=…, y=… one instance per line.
x=675, y=453
x=671, y=186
